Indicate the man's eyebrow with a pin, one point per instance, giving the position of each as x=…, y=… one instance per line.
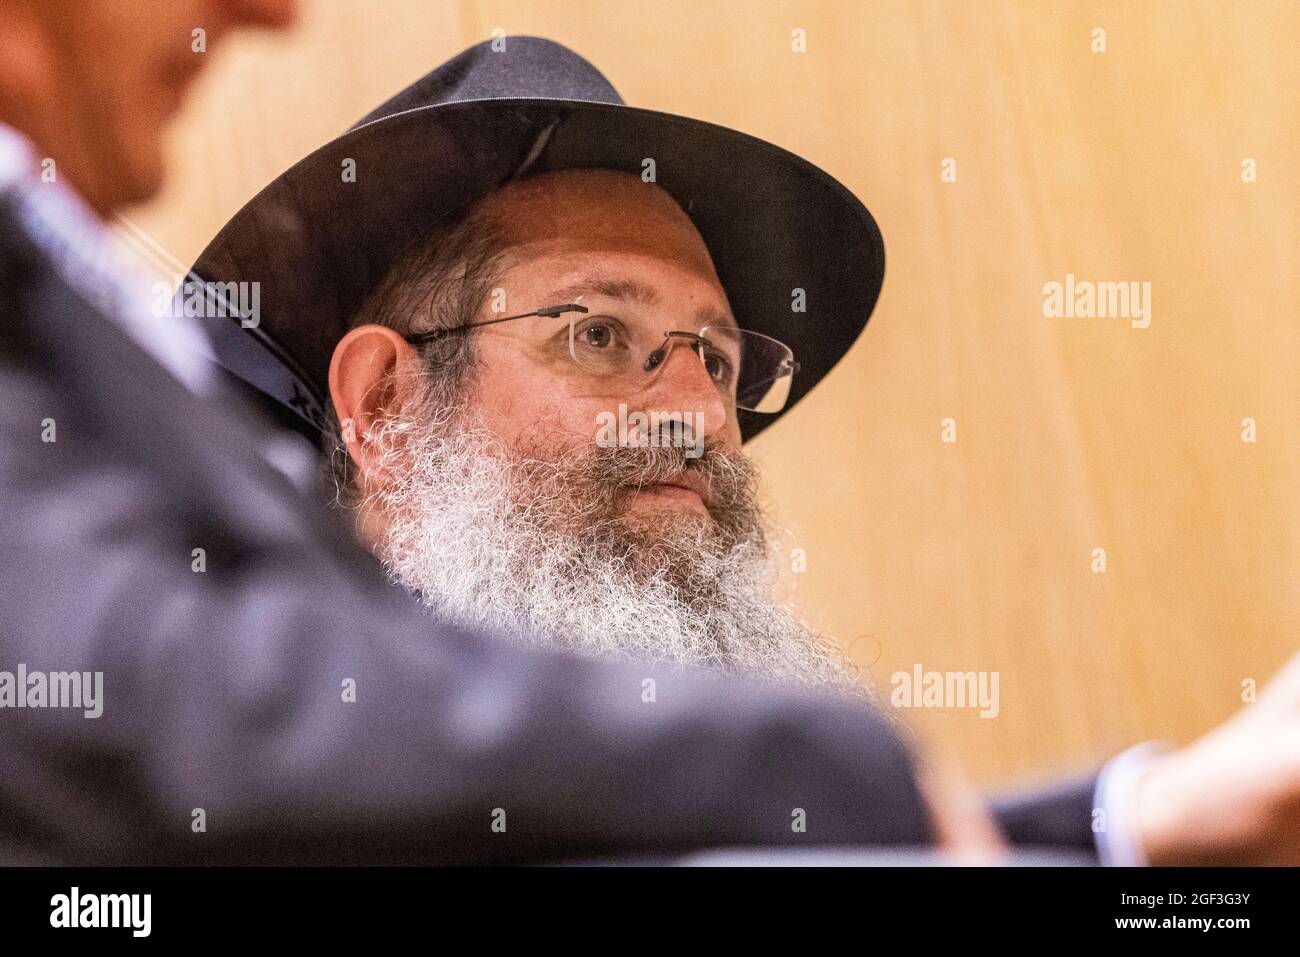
x=632, y=290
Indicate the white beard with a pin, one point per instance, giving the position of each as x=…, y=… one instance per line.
x=540, y=550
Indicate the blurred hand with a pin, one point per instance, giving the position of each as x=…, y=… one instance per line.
x=964, y=829
x=1233, y=797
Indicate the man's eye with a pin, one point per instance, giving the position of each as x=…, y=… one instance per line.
x=598, y=336
x=718, y=366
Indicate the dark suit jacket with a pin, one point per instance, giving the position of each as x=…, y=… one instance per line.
x=223, y=689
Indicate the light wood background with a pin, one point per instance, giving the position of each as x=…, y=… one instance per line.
x=1072, y=434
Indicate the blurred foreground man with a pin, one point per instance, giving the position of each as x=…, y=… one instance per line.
x=193, y=668
x=535, y=358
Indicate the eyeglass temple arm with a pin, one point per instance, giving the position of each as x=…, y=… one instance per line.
x=547, y=312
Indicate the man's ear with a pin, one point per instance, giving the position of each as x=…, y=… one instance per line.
x=363, y=385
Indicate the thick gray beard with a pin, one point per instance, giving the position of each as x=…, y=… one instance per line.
x=543, y=549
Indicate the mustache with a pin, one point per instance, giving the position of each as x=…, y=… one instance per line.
x=727, y=479
x=585, y=484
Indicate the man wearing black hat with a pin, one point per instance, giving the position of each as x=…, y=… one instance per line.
x=552, y=230
x=537, y=325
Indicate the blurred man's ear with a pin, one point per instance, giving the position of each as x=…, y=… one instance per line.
x=363, y=384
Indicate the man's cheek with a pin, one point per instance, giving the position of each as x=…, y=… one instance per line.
x=550, y=432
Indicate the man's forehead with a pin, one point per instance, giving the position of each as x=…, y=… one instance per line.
x=592, y=209
x=592, y=225
x=564, y=194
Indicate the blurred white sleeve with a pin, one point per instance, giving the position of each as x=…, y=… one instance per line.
x=1118, y=844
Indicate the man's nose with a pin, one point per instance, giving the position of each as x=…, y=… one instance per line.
x=681, y=385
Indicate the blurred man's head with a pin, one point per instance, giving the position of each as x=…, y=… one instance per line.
x=94, y=82
x=577, y=477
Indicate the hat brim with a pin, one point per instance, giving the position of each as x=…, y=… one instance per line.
x=318, y=241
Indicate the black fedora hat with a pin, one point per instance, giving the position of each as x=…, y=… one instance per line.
x=318, y=241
